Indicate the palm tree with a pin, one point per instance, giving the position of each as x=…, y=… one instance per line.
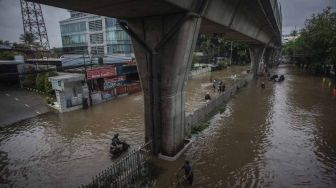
x=28, y=39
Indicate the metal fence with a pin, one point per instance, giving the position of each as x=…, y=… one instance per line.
x=125, y=172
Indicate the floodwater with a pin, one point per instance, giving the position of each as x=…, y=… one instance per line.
x=282, y=136
x=67, y=150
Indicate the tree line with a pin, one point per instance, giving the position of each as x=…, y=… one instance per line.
x=315, y=45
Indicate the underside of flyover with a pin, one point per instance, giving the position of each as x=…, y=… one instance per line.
x=164, y=34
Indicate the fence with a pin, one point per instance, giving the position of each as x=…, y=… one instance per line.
x=202, y=113
x=125, y=172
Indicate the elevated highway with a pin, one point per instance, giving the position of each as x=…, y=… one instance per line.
x=164, y=35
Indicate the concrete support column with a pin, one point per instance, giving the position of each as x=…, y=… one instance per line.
x=268, y=57
x=256, y=54
x=163, y=47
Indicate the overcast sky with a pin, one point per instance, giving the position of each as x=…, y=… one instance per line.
x=294, y=14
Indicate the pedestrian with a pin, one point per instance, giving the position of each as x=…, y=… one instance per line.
x=263, y=85
x=188, y=172
x=214, y=83
x=207, y=97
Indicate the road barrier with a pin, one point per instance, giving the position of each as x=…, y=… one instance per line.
x=204, y=112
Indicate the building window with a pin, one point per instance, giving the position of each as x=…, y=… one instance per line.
x=75, y=50
x=97, y=38
x=119, y=49
x=110, y=22
x=73, y=39
x=95, y=25
x=117, y=35
x=73, y=27
x=97, y=50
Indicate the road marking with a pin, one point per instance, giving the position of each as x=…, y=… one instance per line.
x=38, y=112
x=16, y=99
x=27, y=105
x=7, y=94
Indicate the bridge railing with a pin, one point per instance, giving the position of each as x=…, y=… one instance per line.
x=125, y=172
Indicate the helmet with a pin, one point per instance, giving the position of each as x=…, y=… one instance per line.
x=116, y=135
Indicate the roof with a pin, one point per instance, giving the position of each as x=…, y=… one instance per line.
x=10, y=62
x=68, y=77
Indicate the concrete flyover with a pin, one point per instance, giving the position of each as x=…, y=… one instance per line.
x=164, y=34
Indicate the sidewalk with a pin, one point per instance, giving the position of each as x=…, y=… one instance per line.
x=18, y=104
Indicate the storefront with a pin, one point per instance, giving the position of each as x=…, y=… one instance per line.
x=105, y=83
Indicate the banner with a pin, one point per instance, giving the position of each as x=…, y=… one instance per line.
x=101, y=72
x=110, y=83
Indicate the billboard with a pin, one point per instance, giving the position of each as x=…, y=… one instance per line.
x=101, y=72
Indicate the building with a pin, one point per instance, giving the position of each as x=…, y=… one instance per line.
x=11, y=70
x=290, y=37
x=71, y=90
x=92, y=34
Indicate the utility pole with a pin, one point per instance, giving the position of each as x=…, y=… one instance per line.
x=231, y=54
x=86, y=79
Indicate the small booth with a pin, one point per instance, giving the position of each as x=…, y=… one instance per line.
x=71, y=90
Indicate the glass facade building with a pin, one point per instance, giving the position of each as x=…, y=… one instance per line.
x=87, y=33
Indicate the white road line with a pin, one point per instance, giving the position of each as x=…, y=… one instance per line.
x=7, y=94
x=16, y=99
x=38, y=112
x=27, y=105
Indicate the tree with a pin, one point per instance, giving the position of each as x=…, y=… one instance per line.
x=217, y=46
x=316, y=44
x=28, y=39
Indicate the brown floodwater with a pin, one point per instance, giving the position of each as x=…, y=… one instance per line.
x=282, y=136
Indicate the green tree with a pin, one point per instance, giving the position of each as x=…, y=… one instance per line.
x=40, y=81
x=47, y=85
x=28, y=39
x=7, y=55
x=316, y=43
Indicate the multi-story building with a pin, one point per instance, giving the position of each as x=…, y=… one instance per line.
x=92, y=34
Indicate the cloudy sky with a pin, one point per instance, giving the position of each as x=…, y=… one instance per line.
x=294, y=14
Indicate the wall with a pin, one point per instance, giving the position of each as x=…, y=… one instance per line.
x=207, y=110
x=198, y=71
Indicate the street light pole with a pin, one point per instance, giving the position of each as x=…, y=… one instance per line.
x=231, y=54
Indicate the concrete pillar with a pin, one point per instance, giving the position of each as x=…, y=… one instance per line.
x=268, y=57
x=163, y=47
x=256, y=54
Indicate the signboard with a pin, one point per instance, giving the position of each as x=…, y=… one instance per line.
x=114, y=82
x=101, y=73
x=57, y=85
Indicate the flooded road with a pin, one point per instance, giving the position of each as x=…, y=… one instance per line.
x=282, y=136
x=66, y=150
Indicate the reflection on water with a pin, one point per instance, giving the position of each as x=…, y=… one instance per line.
x=281, y=136
x=66, y=150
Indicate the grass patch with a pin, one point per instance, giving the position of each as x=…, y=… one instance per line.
x=200, y=128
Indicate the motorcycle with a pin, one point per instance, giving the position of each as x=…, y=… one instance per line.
x=116, y=151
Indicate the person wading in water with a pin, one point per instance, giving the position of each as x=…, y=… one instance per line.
x=188, y=172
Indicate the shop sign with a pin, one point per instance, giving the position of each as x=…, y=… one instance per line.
x=111, y=83
x=101, y=73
